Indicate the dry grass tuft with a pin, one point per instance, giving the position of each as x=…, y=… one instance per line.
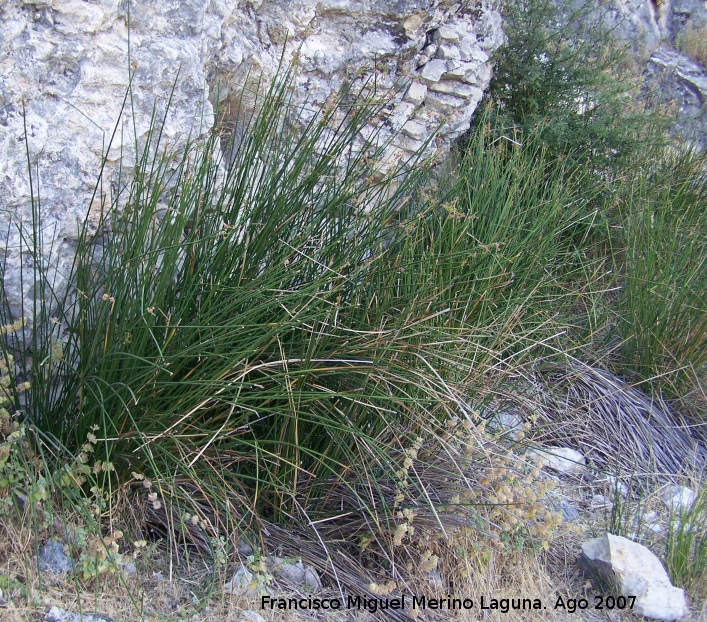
x=614, y=424
x=693, y=42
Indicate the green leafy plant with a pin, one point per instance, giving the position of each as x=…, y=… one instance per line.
x=561, y=75
x=98, y=554
x=561, y=72
x=10, y=586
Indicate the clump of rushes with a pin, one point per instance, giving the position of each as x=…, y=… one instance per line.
x=663, y=304
x=248, y=342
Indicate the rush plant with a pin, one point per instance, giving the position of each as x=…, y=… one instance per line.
x=267, y=339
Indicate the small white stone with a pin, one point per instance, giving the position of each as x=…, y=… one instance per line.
x=454, y=88
x=460, y=70
x=415, y=130
x=467, y=45
x=448, y=52
x=561, y=459
x=56, y=614
x=447, y=33
x=483, y=72
x=614, y=484
x=445, y=100
x=242, y=584
x=678, y=498
x=312, y=580
x=252, y=616
x=505, y=422
x=128, y=569
x=634, y=571
x=602, y=501
x=297, y=573
x=474, y=54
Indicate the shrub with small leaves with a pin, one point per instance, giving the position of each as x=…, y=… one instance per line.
x=558, y=73
x=99, y=554
x=15, y=452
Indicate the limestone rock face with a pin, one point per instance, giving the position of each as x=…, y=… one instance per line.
x=682, y=84
x=637, y=21
x=633, y=570
x=65, y=67
x=656, y=31
x=649, y=24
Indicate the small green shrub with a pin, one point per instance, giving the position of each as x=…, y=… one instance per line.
x=559, y=74
x=36, y=488
x=562, y=75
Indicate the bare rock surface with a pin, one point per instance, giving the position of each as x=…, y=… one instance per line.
x=656, y=30
x=297, y=573
x=648, y=24
x=242, y=584
x=633, y=570
x=678, y=81
x=53, y=559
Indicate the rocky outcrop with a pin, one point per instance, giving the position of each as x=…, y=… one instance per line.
x=649, y=24
x=634, y=572
x=656, y=31
x=684, y=14
x=679, y=83
x=65, y=66
x=638, y=22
